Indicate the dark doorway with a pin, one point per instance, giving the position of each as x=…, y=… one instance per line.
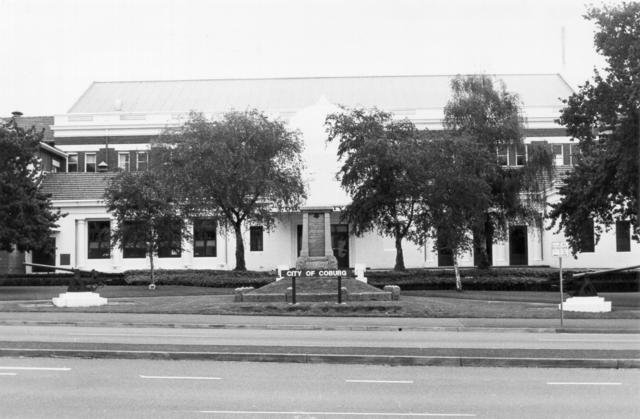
x=44, y=256
x=518, y=245
x=445, y=255
x=340, y=244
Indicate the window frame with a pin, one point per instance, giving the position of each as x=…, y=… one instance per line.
x=98, y=252
x=209, y=240
x=256, y=239
x=127, y=165
x=145, y=162
x=133, y=251
x=623, y=238
x=75, y=163
x=86, y=162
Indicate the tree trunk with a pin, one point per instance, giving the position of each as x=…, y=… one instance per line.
x=457, y=271
x=399, y=256
x=481, y=239
x=240, y=263
x=153, y=274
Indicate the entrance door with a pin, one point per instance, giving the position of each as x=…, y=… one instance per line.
x=340, y=244
x=445, y=255
x=45, y=256
x=518, y=245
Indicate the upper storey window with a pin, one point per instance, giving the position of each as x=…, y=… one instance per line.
x=563, y=154
x=142, y=160
x=123, y=161
x=72, y=163
x=90, y=162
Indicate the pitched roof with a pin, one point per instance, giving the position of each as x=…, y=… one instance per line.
x=385, y=92
x=40, y=123
x=76, y=186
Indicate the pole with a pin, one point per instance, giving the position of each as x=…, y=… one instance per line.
x=293, y=290
x=561, y=295
x=339, y=290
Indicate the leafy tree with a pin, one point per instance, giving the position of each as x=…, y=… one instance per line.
x=148, y=212
x=455, y=193
x=26, y=214
x=492, y=117
x=380, y=163
x=242, y=168
x=604, y=117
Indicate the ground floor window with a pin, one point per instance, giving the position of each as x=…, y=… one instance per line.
x=133, y=247
x=170, y=241
x=255, y=238
x=204, y=238
x=99, y=236
x=623, y=236
x=589, y=242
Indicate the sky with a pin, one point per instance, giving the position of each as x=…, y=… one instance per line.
x=53, y=50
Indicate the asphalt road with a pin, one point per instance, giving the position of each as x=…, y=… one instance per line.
x=320, y=338
x=79, y=388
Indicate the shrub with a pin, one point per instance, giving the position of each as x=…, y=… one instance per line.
x=202, y=278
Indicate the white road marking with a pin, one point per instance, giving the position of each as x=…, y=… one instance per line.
x=381, y=381
x=35, y=369
x=582, y=384
x=160, y=377
x=258, y=412
x=143, y=335
x=7, y=373
x=591, y=340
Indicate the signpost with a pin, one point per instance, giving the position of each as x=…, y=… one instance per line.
x=316, y=273
x=560, y=249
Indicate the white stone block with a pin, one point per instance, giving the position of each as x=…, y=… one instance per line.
x=79, y=299
x=586, y=304
x=281, y=268
x=359, y=269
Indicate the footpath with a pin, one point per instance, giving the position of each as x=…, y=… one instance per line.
x=590, y=343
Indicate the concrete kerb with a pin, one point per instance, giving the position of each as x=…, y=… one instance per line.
x=391, y=360
x=371, y=328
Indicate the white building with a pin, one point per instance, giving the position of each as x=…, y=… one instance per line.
x=112, y=124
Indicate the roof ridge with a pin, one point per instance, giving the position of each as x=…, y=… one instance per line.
x=313, y=77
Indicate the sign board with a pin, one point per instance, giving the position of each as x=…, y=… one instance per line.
x=559, y=249
x=317, y=273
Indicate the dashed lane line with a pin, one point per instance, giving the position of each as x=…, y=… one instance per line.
x=167, y=377
x=381, y=381
x=366, y=414
x=574, y=383
x=35, y=368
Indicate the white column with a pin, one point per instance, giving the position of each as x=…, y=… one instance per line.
x=81, y=243
x=304, y=251
x=328, y=251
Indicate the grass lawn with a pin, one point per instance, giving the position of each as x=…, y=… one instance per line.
x=200, y=300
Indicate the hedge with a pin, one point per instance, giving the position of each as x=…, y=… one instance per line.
x=53, y=279
x=202, y=278
x=494, y=279
x=501, y=279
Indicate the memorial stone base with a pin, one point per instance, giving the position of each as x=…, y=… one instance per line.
x=317, y=262
x=587, y=304
x=79, y=299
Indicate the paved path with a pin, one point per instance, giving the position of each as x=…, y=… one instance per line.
x=320, y=323
x=395, y=341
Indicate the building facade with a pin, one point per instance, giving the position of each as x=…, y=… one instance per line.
x=111, y=125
